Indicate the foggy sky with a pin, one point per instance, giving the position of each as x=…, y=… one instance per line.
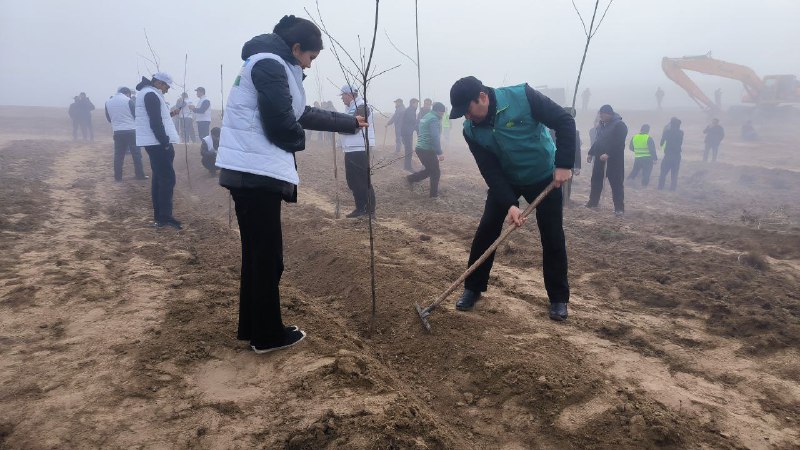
x=52, y=49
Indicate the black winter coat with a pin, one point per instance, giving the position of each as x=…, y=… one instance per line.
x=610, y=140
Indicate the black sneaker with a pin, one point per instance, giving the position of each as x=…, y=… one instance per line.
x=172, y=222
x=619, y=212
x=289, y=328
x=290, y=338
x=357, y=213
x=558, y=311
x=467, y=300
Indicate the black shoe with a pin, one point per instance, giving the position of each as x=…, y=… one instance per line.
x=357, y=213
x=290, y=338
x=289, y=328
x=171, y=222
x=143, y=177
x=619, y=212
x=467, y=300
x=558, y=311
x=410, y=184
x=590, y=206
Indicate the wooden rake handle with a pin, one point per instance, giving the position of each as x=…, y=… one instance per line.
x=509, y=229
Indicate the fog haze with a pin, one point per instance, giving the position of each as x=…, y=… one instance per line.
x=51, y=50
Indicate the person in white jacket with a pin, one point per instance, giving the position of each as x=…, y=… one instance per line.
x=120, y=113
x=265, y=123
x=356, y=164
x=157, y=134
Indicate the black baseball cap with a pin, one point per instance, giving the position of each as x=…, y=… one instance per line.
x=463, y=92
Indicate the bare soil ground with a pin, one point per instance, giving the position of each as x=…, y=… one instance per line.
x=684, y=328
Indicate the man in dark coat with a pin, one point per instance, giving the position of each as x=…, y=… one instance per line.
x=407, y=129
x=608, y=153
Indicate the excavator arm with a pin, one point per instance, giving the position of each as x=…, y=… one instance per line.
x=675, y=69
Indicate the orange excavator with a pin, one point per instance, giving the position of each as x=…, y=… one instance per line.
x=772, y=90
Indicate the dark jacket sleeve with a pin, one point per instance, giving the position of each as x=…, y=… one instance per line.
x=108, y=118
x=651, y=145
x=153, y=107
x=206, y=104
x=322, y=120
x=275, y=106
x=617, y=141
x=132, y=106
x=499, y=187
x=89, y=105
x=555, y=117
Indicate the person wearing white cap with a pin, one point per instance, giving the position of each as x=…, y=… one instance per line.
x=356, y=164
x=156, y=133
x=202, y=113
x=185, y=121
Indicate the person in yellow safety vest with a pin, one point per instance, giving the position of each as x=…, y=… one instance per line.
x=644, y=153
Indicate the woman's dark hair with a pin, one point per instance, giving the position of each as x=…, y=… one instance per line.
x=295, y=30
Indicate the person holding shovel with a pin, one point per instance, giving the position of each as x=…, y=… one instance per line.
x=506, y=131
x=263, y=127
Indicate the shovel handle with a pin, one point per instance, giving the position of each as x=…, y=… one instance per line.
x=509, y=229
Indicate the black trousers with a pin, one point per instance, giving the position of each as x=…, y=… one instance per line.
x=202, y=129
x=554, y=248
x=163, y=180
x=408, y=146
x=259, y=215
x=616, y=180
x=671, y=165
x=186, y=129
x=398, y=140
x=209, y=160
x=124, y=142
x=356, y=169
x=86, y=129
x=713, y=148
x=430, y=161
x=644, y=165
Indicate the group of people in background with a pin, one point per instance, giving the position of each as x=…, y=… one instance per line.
x=80, y=111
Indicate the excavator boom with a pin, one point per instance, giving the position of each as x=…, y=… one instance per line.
x=675, y=69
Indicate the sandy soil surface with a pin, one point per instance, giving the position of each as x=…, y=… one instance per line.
x=684, y=329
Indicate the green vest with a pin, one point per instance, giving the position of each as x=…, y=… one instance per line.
x=640, y=147
x=522, y=145
x=424, y=135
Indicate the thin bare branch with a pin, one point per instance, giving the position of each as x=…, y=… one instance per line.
x=398, y=50
x=156, y=59
x=580, y=17
x=334, y=41
x=381, y=73
x=601, y=18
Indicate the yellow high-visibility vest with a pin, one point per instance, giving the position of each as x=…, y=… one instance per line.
x=640, y=147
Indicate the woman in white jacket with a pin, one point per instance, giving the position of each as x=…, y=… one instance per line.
x=264, y=123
